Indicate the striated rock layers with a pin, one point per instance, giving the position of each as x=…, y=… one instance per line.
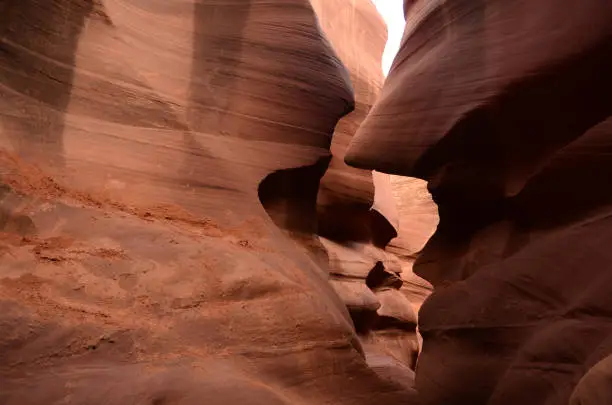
x=505, y=107
x=158, y=161
x=358, y=215
x=347, y=194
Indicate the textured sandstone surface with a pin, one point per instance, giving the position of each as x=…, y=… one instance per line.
x=505, y=107
x=160, y=165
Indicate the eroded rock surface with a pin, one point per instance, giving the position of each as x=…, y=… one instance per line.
x=505, y=108
x=359, y=211
x=155, y=245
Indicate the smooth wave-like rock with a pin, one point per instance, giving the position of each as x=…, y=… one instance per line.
x=504, y=108
x=346, y=194
x=357, y=209
x=596, y=385
x=149, y=212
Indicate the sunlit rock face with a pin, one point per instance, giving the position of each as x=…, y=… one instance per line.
x=505, y=108
x=149, y=152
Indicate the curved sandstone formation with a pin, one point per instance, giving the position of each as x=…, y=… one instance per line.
x=346, y=194
x=596, y=385
x=418, y=219
x=137, y=263
x=358, y=210
x=505, y=107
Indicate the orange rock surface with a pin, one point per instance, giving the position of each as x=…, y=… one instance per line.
x=160, y=165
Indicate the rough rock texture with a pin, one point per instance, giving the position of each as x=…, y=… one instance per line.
x=505, y=107
x=154, y=157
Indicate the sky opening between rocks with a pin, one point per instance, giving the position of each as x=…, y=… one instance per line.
x=393, y=13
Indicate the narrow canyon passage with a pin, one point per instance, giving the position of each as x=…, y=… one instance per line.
x=138, y=264
x=351, y=221
x=225, y=202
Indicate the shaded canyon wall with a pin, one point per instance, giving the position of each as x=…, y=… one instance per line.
x=505, y=108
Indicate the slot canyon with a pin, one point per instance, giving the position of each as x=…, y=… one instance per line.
x=227, y=202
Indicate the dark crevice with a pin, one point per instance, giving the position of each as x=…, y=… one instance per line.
x=363, y=319
x=289, y=197
x=379, y=277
